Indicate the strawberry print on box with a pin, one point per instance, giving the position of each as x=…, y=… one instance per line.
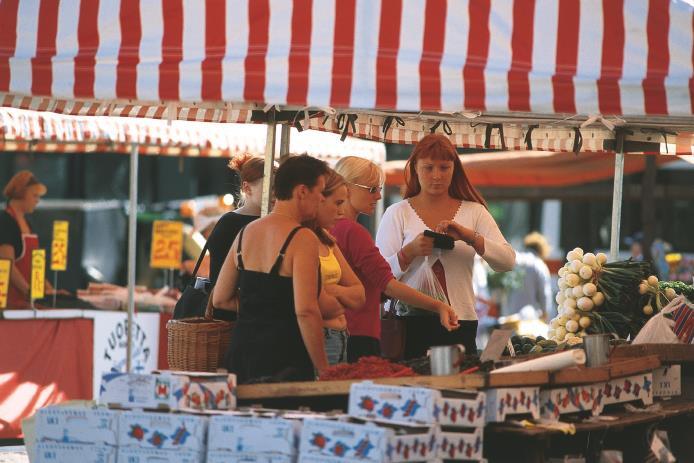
x=163, y=431
x=628, y=389
x=460, y=445
x=502, y=402
x=556, y=402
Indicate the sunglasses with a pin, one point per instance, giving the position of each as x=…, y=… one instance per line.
x=370, y=189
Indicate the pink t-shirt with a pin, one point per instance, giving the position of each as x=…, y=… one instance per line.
x=373, y=271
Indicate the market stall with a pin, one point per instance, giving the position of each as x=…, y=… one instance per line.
x=521, y=76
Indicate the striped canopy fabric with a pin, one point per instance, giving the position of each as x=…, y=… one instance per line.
x=613, y=57
x=541, y=68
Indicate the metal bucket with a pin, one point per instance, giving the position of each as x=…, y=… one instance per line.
x=597, y=347
x=446, y=360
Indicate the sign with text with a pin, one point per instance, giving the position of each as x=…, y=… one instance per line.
x=38, y=273
x=5, y=268
x=59, y=245
x=167, y=244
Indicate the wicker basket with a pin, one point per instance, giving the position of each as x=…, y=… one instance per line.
x=198, y=344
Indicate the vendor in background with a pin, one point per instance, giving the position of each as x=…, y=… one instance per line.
x=440, y=198
x=271, y=277
x=17, y=241
x=535, y=288
x=364, y=181
x=251, y=172
x=341, y=289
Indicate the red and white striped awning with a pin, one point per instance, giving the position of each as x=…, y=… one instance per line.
x=617, y=57
x=22, y=130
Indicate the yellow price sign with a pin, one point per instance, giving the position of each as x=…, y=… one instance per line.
x=38, y=273
x=59, y=245
x=167, y=244
x=5, y=268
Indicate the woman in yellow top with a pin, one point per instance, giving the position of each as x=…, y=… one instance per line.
x=341, y=288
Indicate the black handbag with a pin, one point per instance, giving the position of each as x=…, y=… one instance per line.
x=193, y=301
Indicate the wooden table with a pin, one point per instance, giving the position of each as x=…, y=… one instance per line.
x=508, y=442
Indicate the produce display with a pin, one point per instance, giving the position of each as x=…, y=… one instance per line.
x=598, y=297
x=366, y=368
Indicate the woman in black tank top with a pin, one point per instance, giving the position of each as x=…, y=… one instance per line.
x=271, y=277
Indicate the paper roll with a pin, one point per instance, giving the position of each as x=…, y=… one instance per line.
x=569, y=358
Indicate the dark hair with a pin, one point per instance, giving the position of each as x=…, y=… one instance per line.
x=250, y=168
x=333, y=181
x=298, y=170
x=438, y=147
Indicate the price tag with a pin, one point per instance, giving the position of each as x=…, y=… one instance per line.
x=59, y=245
x=5, y=267
x=38, y=273
x=167, y=244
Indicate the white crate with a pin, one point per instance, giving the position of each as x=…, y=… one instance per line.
x=77, y=425
x=50, y=452
x=460, y=445
x=502, y=402
x=244, y=434
x=401, y=404
x=221, y=456
x=145, y=455
x=628, y=389
x=130, y=390
x=163, y=431
x=667, y=381
x=560, y=401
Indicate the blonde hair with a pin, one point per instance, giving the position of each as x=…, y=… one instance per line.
x=538, y=243
x=360, y=170
x=18, y=185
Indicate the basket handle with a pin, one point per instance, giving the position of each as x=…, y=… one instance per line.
x=209, y=310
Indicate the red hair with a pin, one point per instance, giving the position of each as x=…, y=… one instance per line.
x=439, y=148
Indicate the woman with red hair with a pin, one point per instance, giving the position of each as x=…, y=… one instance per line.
x=440, y=198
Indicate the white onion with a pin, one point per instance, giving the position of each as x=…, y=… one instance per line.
x=579, y=252
x=601, y=257
x=569, y=312
x=598, y=299
x=643, y=288
x=571, y=326
x=554, y=323
x=560, y=297
x=647, y=309
x=653, y=281
x=572, y=280
x=584, y=322
x=670, y=293
x=589, y=259
x=585, y=303
x=562, y=284
x=576, y=316
x=560, y=332
x=569, y=303
x=577, y=291
x=576, y=266
x=571, y=255
x=589, y=289
x=586, y=272
x=562, y=272
x=568, y=293
x=562, y=320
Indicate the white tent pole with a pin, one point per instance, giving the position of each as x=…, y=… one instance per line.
x=617, y=199
x=132, y=231
x=269, y=161
x=284, y=142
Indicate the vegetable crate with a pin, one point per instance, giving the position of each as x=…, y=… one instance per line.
x=502, y=402
x=460, y=445
x=401, y=404
x=560, y=401
x=51, y=452
x=629, y=389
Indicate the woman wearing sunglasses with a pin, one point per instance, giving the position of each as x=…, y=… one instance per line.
x=364, y=180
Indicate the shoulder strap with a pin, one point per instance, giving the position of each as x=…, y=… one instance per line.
x=239, y=257
x=280, y=258
x=202, y=254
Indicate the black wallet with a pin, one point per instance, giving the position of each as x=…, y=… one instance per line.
x=441, y=241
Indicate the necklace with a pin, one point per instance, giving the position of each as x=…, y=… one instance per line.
x=285, y=215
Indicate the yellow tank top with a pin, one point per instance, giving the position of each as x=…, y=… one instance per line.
x=330, y=270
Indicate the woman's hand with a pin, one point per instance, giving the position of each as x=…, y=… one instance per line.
x=420, y=246
x=455, y=231
x=448, y=317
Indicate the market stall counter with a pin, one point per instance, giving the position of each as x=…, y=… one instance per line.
x=50, y=356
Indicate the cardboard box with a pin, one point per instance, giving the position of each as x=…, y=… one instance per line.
x=455, y=445
x=628, y=389
x=199, y=391
x=221, y=456
x=502, y=402
x=556, y=402
x=667, y=381
x=326, y=441
x=163, y=431
x=77, y=425
x=50, y=452
x=399, y=404
x=129, y=390
x=243, y=434
x=144, y=455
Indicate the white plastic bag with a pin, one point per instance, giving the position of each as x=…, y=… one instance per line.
x=424, y=280
x=659, y=329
